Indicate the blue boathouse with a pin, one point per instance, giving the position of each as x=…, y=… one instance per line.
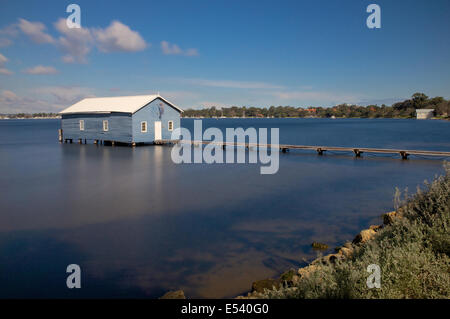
x=126, y=119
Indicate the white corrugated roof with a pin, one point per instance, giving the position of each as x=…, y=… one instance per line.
x=124, y=104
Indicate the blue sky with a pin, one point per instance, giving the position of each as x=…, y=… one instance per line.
x=223, y=53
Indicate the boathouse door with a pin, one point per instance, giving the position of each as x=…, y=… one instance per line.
x=157, y=130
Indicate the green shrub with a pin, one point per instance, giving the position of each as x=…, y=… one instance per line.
x=412, y=252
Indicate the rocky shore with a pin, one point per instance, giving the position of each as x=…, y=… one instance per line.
x=291, y=277
x=411, y=249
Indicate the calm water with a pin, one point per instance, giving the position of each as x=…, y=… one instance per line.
x=139, y=225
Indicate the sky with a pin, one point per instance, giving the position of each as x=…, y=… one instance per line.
x=222, y=53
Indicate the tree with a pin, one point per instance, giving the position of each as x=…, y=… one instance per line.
x=419, y=100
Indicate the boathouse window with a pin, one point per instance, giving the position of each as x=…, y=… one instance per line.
x=144, y=127
x=105, y=126
x=170, y=125
x=81, y=125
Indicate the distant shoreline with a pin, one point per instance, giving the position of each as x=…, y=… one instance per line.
x=32, y=118
x=258, y=118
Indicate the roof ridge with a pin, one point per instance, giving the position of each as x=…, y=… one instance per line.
x=110, y=104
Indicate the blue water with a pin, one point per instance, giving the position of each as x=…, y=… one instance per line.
x=139, y=225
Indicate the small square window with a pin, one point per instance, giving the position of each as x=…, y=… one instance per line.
x=144, y=127
x=170, y=126
x=81, y=125
x=105, y=126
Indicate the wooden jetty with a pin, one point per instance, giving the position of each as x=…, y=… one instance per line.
x=404, y=153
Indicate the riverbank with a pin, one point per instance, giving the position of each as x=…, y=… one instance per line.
x=411, y=248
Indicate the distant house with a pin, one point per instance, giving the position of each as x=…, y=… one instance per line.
x=124, y=119
x=423, y=114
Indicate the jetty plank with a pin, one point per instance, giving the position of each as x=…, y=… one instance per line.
x=320, y=148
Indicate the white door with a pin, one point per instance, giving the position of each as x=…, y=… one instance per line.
x=157, y=130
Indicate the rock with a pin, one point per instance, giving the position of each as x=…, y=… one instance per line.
x=319, y=246
x=348, y=245
x=331, y=258
x=375, y=227
x=306, y=271
x=389, y=218
x=287, y=276
x=364, y=236
x=178, y=294
x=346, y=252
x=295, y=279
x=269, y=283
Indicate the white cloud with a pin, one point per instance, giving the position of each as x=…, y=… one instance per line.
x=3, y=59
x=76, y=43
x=217, y=105
x=44, y=99
x=41, y=69
x=10, y=30
x=63, y=96
x=232, y=84
x=191, y=52
x=118, y=37
x=316, y=96
x=4, y=42
x=4, y=70
x=10, y=102
x=35, y=31
x=8, y=96
x=167, y=48
x=173, y=49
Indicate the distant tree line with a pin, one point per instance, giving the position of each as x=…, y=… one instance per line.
x=405, y=109
x=29, y=115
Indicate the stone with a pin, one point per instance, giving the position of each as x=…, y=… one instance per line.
x=295, y=279
x=178, y=294
x=306, y=271
x=331, y=258
x=348, y=245
x=346, y=252
x=364, y=236
x=287, y=276
x=319, y=246
x=375, y=227
x=389, y=218
x=260, y=285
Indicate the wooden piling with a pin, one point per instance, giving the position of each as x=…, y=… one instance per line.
x=404, y=155
x=357, y=152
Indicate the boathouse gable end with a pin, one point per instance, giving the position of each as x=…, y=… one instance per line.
x=156, y=111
